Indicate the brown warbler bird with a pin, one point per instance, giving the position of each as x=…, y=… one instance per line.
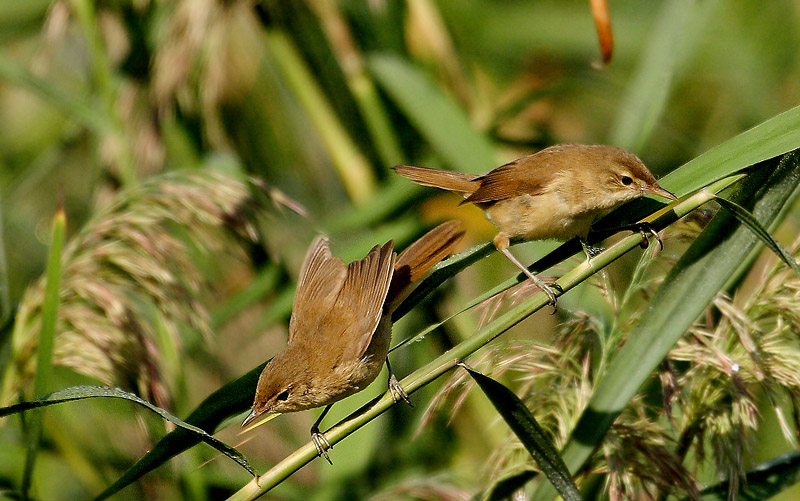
x=341, y=325
x=556, y=193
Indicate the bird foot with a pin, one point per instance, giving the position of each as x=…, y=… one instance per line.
x=550, y=288
x=321, y=443
x=643, y=229
x=397, y=391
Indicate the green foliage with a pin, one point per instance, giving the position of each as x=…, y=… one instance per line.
x=178, y=272
x=524, y=425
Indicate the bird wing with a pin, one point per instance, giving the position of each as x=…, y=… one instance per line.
x=512, y=179
x=418, y=258
x=321, y=278
x=359, y=306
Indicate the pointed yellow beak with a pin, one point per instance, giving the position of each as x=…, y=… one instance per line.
x=268, y=416
x=661, y=192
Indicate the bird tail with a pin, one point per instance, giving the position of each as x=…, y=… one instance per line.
x=418, y=258
x=437, y=178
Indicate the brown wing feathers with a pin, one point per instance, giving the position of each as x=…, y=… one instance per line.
x=420, y=257
x=354, y=297
x=362, y=296
x=321, y=279
x=519, y=177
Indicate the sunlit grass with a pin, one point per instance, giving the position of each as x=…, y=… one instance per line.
x=101, y=100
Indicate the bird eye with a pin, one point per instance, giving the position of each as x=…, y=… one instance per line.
x=284, y=395
x=626, y=180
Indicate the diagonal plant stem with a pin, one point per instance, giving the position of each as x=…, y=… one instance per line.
x=449, y=359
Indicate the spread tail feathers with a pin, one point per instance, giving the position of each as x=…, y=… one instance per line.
x=443, y=179
x=419, y=258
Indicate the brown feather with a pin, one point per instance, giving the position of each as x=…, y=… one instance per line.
x=523, y=176
x=321, y=278
x=442, y=179
x=359, y=306
x=418, y=258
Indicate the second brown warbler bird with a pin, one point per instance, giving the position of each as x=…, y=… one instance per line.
x=341, y=325
x=556, y=193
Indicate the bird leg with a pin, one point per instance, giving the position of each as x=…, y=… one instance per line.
x=643, y=229
x=501, y=241
x=320, y=442
x=395, y=388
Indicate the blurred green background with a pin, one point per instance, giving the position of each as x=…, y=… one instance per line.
x=320, y=99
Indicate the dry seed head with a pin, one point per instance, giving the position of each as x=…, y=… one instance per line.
x=129, y=272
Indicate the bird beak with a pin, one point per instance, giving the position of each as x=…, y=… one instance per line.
x=253, y=414
x=268, y=416
x=661, y=192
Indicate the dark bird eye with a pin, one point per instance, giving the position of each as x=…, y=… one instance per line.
x=284, y=395
x=626, y=180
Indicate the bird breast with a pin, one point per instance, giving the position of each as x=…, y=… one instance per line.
x=541, y=217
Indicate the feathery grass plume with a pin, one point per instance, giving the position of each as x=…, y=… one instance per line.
x=638, y=458
x=131, y=280
x=750, y=346
x=638, y=461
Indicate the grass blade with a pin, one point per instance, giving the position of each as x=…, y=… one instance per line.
x=763, y=481
x=649, y=88
x=353, y=168
x=440, y=121
x=82, y=392
x=232, y=399
x=532, y=436
x=47, y=334
x=744, y=216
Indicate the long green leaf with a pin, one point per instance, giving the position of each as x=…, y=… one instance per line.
x=44, y=352
x=689, y=287
x=231, y=399
x=532, y=436
x=352, y=166
x=744, y=216
x=440, y=121
x=83, y=392
x=647, y=95
x=774, y=137
x=47, y=334
x=763, y=481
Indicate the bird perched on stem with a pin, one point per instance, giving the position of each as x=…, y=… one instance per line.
x=341, y=327
x=556, y=193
